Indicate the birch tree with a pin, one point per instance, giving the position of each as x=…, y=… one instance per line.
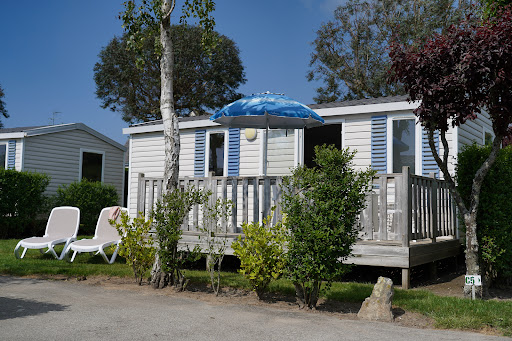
x=155, y=15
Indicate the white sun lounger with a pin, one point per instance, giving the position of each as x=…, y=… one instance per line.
x=61, y=228
x=104, y=236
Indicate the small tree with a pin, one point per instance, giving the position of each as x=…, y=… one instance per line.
x=261, y=253
x=155, y=16
x=456, y=76
x=168, y=216
x=321, y=206
x=136, y=244
x=213, y=211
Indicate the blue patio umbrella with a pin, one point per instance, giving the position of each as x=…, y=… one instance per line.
x=266, y=111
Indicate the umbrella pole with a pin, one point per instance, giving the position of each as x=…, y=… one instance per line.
x=265, y=151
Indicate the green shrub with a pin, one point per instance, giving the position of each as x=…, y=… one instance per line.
x=321, y=206
x=494, y=220
x=136, y=244
x=261, y=253
x=168, y=216
x=21, y=200
x=90, y=198
x=213, y=211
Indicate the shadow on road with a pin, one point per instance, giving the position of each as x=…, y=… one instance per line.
x=17, y=307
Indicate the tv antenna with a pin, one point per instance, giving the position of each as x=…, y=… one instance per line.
x=52, y=119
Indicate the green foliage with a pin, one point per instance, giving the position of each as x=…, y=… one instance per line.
x=351, y=51
x=495, y=211
x=90, y=197
x=321, y=206
x=168, y=216
x=491, y=7
x=199, y=83
x=21, y=200
x=3, y=110
x=261, y=253
x=136, y=244
x=215, y=242
x=150, y=15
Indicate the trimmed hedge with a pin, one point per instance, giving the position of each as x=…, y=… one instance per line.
x=90, y=197
x=494, y=219
x=21, y=200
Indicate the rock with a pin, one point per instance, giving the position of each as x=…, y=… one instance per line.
x=377, y=307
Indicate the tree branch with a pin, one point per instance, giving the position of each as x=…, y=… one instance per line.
x=443, y=165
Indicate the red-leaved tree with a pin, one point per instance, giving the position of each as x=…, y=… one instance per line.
x=456, y=76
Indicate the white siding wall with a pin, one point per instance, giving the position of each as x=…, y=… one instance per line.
x=250, y=154
x=58, y=155
x=473, y=131
x=281, y=147
x=358, y=137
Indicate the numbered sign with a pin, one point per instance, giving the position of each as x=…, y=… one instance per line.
x=473, y=280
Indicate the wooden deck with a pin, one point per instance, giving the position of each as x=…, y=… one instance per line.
x=409, y=220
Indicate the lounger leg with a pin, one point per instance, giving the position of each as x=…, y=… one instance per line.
x=65, y=249
x=17, y=251
x=50, y=249
x=114, y=255
x=73, y=257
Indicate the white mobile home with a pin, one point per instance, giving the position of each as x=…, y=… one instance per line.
x=384, y=131
x=410, y=217
x=66, y=152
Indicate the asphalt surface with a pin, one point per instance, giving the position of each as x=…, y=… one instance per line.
x=33, y=309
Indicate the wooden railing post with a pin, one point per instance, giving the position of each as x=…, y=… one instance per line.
x=141, y=194
x=406, y=207
x=234, y=200
x=383, y=211
x=256, y=201
x=434, y=208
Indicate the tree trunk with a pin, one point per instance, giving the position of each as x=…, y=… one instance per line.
x=472, y=261
x=170, y=121
x=469, y=215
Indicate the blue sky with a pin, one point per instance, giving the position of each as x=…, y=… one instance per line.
x=49, y=48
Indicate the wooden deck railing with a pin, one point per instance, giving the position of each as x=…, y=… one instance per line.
x=402, y=207
x=252, y=198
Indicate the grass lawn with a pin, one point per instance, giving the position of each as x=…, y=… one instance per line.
x=447, y=312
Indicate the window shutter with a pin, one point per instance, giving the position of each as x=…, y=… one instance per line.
x=379, y=139
x=199, y=154
x=428, y=163
x=234, y=152
x=11, y=155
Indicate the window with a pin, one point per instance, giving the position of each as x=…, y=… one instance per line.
x=92, y=165
x=404, y=144
x=216, y=154
x=488, y=138
x=327, y=134
x=3, y=156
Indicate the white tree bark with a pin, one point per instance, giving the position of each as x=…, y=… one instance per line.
x=159, y=279
x=170, y=120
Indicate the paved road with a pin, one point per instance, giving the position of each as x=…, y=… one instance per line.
x=53, y=310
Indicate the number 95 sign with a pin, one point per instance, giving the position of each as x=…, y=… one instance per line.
x=473, y=280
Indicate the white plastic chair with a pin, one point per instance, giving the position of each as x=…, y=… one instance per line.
x=104, y=236
x=61, y=228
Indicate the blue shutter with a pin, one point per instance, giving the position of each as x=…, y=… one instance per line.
x=234, y=152
x=11, y=155
x=428, y=163
x=379, y=140
x=199, y=157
